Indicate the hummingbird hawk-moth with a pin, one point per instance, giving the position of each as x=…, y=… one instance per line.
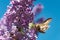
x=41, y=27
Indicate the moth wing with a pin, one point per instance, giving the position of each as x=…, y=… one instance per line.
x=47, y=21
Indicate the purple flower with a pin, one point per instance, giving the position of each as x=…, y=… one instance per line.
x=14, y=24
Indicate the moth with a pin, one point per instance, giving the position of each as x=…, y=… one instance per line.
x=41, y=27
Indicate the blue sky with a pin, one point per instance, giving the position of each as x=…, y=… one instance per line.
x=51, y=9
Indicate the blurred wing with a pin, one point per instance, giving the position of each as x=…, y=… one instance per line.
x=47, y=21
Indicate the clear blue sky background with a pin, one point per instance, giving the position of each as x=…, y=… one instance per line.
x=51, y=9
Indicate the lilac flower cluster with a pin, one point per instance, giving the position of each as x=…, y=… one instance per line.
x=14, y=24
